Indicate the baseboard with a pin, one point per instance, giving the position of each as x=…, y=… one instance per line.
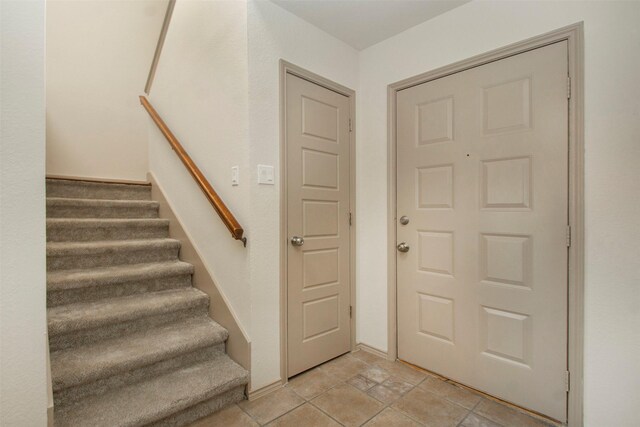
x=49, y=385
x=50, y=416
x=372, y=350
x=263, y=391
x=102, y=180
x=238, y=344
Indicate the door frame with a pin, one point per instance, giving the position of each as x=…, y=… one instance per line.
x=574, y=35
x=289, y=68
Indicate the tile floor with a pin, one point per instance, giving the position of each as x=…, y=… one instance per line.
x=363, y=389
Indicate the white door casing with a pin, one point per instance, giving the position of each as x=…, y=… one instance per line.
x=318, y=201
x=482, y=174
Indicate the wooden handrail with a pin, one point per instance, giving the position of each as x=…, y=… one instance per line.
x=225, y=214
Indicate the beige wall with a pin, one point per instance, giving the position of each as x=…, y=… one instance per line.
x=612, y=132
x=217, y=86
x=23, y=374
x=276, y=34
x=98, y=58
x=200, y=90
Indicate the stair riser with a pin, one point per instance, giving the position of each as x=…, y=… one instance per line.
x=96, y=190
x=58, y=211
x=69, y=233
x=120, y=379
x=203, y=409
x=104, y=332
x=116, y=257
x=95, y=293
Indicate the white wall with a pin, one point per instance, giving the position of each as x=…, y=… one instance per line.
x=200, y=90
x=612, y=132
x=276, y=34
x=98, y=58
x=23, y=377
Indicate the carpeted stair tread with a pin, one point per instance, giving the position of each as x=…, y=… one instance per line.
x=68, y=318
x=157, y=398
x=106, y=222
x=106, y=246
x=63, y=207
x=99, y=229
x=75, y=366
x=103, y=253
x=97, y=190
x=74, y=279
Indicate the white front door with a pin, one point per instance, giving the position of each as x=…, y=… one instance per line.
x=318, y=259
x=482, y=176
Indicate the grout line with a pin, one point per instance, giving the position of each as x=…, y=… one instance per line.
x=476, y=405
x=408, y=416
x=248, y=414
x=282, y=415
x=327, y=414
x=463, y=418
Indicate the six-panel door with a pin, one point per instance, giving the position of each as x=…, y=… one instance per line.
x=482, y=174
x=318, y=297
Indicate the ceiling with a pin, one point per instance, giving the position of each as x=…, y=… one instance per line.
x=363, y=23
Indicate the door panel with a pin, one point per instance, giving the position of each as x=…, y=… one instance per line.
x=482, y=175
x=318, y=296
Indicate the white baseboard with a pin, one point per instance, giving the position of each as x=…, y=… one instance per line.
x=263, y=391
x=372, y=350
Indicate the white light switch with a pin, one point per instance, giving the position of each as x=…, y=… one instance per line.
x=265, y=175
x=235, y=175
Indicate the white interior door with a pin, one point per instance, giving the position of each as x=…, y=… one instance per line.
x=318, y=260
x=482, y=175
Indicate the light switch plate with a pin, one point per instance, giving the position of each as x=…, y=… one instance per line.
x=235, y=175
x=266, y=175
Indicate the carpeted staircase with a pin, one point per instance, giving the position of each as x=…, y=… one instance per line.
x=131, y=341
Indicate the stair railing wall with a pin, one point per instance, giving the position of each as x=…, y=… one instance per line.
x=218, y=205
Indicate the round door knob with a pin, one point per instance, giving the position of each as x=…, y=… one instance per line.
x=404, y=220
x=297, y=241
x=403, y=247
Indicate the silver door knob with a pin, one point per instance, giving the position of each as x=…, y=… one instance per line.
x=403, y=247
x=404, y=220
x=297, y=241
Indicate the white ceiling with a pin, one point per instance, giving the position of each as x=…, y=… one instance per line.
x=363, y=23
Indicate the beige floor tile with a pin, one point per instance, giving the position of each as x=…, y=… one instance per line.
x=505, y=415
x=232, y=416
x=474, y=420
x=384, y=394
x=306, y=415
x=449, y=391
x=391, y=418
x=361, y=383
x=271, y=406
x=348, y=405
x=344, y=367
x=397, y=385
x=402, y=371
x=430, y=409
x=366, y=357
x=376, y=374
x=312, y=383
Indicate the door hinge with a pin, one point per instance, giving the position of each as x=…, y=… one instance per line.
x=569, y=87
x=568, y=236
x=350, y=311
x=350, y=222
x=567, y=380
x=350, y=126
